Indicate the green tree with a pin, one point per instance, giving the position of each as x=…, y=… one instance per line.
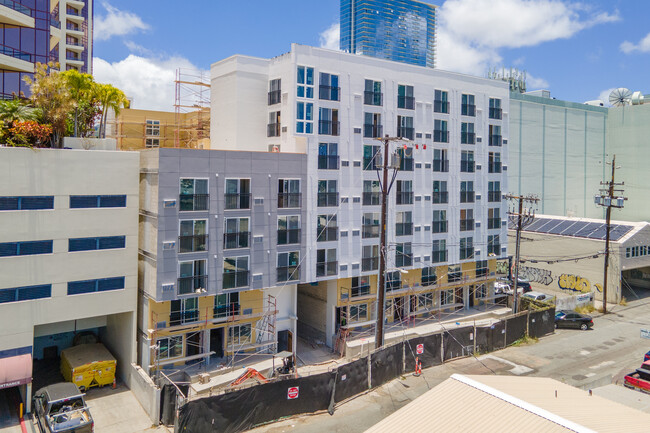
x=16, y=110
x=110, y=98
x=82, y=90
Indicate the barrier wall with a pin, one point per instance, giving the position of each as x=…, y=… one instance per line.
x=147, y=393
x=352, y=379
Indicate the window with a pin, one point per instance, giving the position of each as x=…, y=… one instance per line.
x=273, y=127
x=466, y=220
x=405, y=158
x=494, y=246
x=240, y=335
x=27, y=203
x=152, y=128
x=495, y=108
x=370, y=225
x=439, y=224
x=404, y=194
x=467, y=161
x=428, y=276
x=170, y=347
x=447, y=297
x=304, y=117
x=328, y=121
x=288, y=229
x=494, y=191
x=405, y=127
x=326, y=264
x=370, y=157
x=405, y=97
x=226, y=305
x=235, y=272
x=403, y=256
x=440, y=194
x=441, y=101
x=494, y=162
x=440, y=132
x=91, y=201
x=372, y=94
x=18, y=294
x=467, y=107
x=360, y=286
x=326, y=228
x=466, y=248
x=193, y=236
x=194, y=195
x=329, y=87
x=494, y=218
x=328, y=158
x=404, y=223
x=393, y=280
x=454, y=273
x=495, y=135
x=370, y=258
x=440, y=161
x=236, y=233
x=371, y=193
x=102, y=243
x=238, y=194
x=425, y=301
x=358, y=313
x=91, y=286
x=288, y=266
x=184, y=311
x=439, y=251
x=151, y=143
x=372, y=125
x=467, y=135
x=27, y=248
x=467, y=192
x=305, y=81
x=193, y=277
x=275, y=87
x=327, y=193
x=481, y=268
x=289, y=193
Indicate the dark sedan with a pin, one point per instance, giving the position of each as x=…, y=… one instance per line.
x=571, y=319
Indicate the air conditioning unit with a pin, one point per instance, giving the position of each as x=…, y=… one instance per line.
x=169, y=203
x=171, y=245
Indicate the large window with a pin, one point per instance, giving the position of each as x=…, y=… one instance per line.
x=275, y=91
x=371, y=193
x=240, y=335
x=494, y=191
x=304, y=117
x=305, y=81
x=328, y=121
x=495, y=135
x=467, y=107
x=194, y=195
x=370, y=225
x=405, y=97
x=404, y=223
x=193, y=277
x=100, y=243
x=152, y=128
x=372, y=94
x=326, y=264
x=328, y=157
x=358, y=313
x=91, y=201
x=235, y=272
x=446, y=297
x=238, y=194
x=405, y=127
x=329, y=87
x=288, y=266
x=226, y=305
x=273, y=127
x=494, y=218
x=440, y=161
x=467, y=135
x=439, y=223
x=403, y=255
x=440, y=131
x=184, y=311
x=289, y=193
x=326, y=228
x=404, y=194
x=466, y=220
x=467, y=192
x=370, y=157
x=370, y=258
x=27, y=248
x=393, y=280
x=236, y=233
x=372, y=125
x=467, y=161
x=494, y=245
x=439, y=251
x=328, y=195
x=494, y=162
x=288, y=229
x=406, y=160
x=441, y=101
x=99, y=285
x=193, y=236
x=360, y=286
x=440, y=193
x=27, y=203
x=428, y=276
x=170, y=347
x=495, y=108
x=27, y=293
x=466, y=248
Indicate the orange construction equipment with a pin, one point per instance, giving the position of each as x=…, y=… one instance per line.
x=418, y=367
x=250, y=373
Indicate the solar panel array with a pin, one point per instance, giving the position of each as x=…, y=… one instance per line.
x=577, y=229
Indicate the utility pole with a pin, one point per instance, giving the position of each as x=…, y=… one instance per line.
x=521, y=218
x=608, y=198
x=385, y=164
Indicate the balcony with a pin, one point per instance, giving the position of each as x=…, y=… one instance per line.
x=466, y=225
x=441, y=107
x=403, y=229
x=495, y=113
x=191, y=244
x=403, y=259
x=467, y=196
x=358, y=291
x=328, y=162
x=441, y=165
x=467, y=166
x=369, y=231
x=494, y=196
x=274, y=97
x=406, y=102
x=372, y=131
x=440, y=136
x=182, y=317
x=238, y=201
x=193, y=202
x=15, y=14
x=289, y=236
x=494, y=167
x=468, y=110
x=235, y=279
x=440, y=197
x=326, y=269
x=328, y=127
x=438, y=256
x=467, y=138
x=496, y=140
x=467, y=253
x=273, y=130
x=404, y=197
x=494, y=249
x=54, y=23
x=326, y=234
x=439, y=226
x=193, y=284
x=328, y=199
x=405, y=132
x=373, y=98
x=288, y=273
x=225, y=311
x=369, y=264
x=15, y=60
x=329, y=93
x=371, y=198
x=494, y=223
x=236, y=240
x=288, y=200
x=73, y=27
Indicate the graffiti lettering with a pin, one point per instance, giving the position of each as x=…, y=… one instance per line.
x=599, y=288
x=574, y=283
x=502, y=267
x=536, y=275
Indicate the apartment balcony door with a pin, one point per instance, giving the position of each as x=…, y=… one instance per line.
x=216, y=342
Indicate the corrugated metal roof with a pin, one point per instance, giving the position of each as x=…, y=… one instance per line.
x=512, y=404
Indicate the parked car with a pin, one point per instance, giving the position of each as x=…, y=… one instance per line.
x=639, y=379
x=571, y=319
x=61, y=408
x=521, y=284
x=537, y=296
x=647, y=356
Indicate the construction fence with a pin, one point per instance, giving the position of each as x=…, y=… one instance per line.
x=243, y=409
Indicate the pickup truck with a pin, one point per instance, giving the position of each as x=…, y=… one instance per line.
x=61, y=408
x=640, y=378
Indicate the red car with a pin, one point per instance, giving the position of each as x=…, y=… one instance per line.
x=647, y=356
x=640, y=378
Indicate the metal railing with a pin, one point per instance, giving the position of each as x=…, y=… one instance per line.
x=404, y=197
x=328, y=162
x=440, y=136
x=467, y=166
x=439, y=226
x=329, y=93
x=494, y=223
x=192, y=243
x=373, y=98
x=406, y=132
x=289, y=236
x=441, y=165
x=274, y=97
x=467, y=196
x=496, y=140
x=406, y=164
x=494, y=196
x=326, y=269
x=288, y=273
x=17, y=7
x=467, y=253
x=495, y=113
x=467, y=138
x=238, y=201
x=494, y=249
x=403, y=229
x=371, y=130
x=494, y=167
x=440, y=197
x=369, y=231
x=466, y=225
x=328, y=199
x=326, y=234
x=193, y=202
x=441, y=106
x=273, y=130
x=328, y=127
x=235, y=279
x=406, y=102
x=371, y=198
x=289, y=200
x=468, y=110
x=402, y=259
x=438, y=256
x=236, y=240
x=357, y=291
x=17, y=54
x=369, y=263
x=193, y=284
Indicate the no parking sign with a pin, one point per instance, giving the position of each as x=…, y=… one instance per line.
x=292, y=393
x=419, y=349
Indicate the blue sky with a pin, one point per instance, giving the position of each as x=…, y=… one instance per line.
x=578, y=50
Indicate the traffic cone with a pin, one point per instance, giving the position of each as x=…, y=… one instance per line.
x=114, y=384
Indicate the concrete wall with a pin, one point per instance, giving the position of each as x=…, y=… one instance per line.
x=313, y=312
x=119, y=338
x=147, y=393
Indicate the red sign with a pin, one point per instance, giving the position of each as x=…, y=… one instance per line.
x=292, y=393
x=419, y=349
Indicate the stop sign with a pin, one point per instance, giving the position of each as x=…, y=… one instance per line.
x=292, y=393
x=419, y=349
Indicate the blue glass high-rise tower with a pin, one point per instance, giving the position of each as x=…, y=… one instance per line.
x=398, y=30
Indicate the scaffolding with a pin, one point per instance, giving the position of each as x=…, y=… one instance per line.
x=192, y=107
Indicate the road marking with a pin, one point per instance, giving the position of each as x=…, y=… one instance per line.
x=584, y=352
x=517, y=368
x=602, y=364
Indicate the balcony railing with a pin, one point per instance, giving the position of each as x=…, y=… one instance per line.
x=193, y=284
x=328, y=127
x=12, y=52
x=406, y=164
x=328, y=199
x=73, y=26
x=194, y=243
x=438, y=256
x=73, y=12
x=273, y=130
x=329, y=93
x=496, y=140
x=57, y=24
x=371, y=130
x=406, y=132
x=466, y=225
x=494, y=167
x=454, y=277
x=403, y=260
x=289, y=200
x=440, y=197
x=406, y=102
x=288, y=273
x=440, y=136
x=225, y=311
x=467, y=166
x=439, y=226
x=369, y=263
x=182, y=317
x=494, y=196
x=403, y=229
x=369, y=231
x=393, y=285
x=441, y=106
x=326, y=234
x=289, y=236
x=467, y=253
x=236, y=240
x=357, y=291
x=495, y=113
x=328, y=162
x=371, y=198
x=235, y=279
x=404, y=197
x=373, y=98
x=17, y=7
x=326, y=269
x=274, y=97
x=238, y=201
x=467, y=196
x=71, y=57
x=193, y=202
x=468, y=110
x=441, y=165
x=467, y=138
x=494, y=223
x=494, y=249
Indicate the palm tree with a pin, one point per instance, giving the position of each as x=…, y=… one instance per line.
x=110, y=98
x=81, y=90
x=15, y=110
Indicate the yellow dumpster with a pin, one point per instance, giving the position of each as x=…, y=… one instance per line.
x=88, y=365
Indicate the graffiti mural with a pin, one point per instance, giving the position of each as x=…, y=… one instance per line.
x=502, y=267
x=536, y=275
x=576, y=283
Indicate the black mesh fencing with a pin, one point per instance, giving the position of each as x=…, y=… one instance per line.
x=428, y=348
x=458, y=342
x=498, y=335
x=385, y=365
x=352, y=379
x=483, y=339
x=515, y=328
x=541, y=323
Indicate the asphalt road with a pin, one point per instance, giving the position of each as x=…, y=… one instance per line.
x=585, y=359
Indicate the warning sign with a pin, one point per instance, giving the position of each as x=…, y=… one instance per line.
x=292, y=393
x=419, y=349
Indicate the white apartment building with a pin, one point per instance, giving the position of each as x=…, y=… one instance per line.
x=446, y=219
x=68, y=257
x=73, y=32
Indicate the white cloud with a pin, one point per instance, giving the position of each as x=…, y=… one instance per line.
x=330, y=37
x=148, y=82
x=643, y=46
x=604, y=96
x=138, y=49
x=117, y=23
x=533, y=82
